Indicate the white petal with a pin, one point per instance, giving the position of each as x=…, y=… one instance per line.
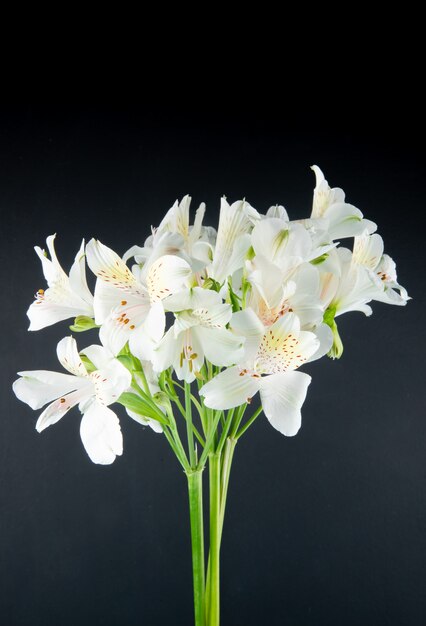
x=101, y=434
x=247, y=324
x=38, y=387
x=99, y=355
x=324, y=196
x=282, y=398
x=155, y=322
x=202, y=251
x=166, y=276
x=135, y=251
x=166, y=352
x=368, y=250
x=286, y=245
x=284, y=347
x=194, y=298
x=239, y=254
x=234, y=221
x=52, y=269
x=220, y=346
x=229, y=389
x=195, y=231
x=55, y=411
x=77, y=276
x=122, y=323
x=345, y=220
x=142, y=345
x=278, y=211
x=189, y=355
x=44, y=312
x=69, y=357
x=267, y=280
x=176, y=219
x=110, y=382
x=108, y=266
x=324, y=335
x=217, y=316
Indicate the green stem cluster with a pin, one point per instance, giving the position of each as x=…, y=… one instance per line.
x=209, y=443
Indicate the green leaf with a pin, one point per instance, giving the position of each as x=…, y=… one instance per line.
x=234, y=299
x=138, y=405
x=83, y=323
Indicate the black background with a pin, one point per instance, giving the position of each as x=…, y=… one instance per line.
x=324, y=528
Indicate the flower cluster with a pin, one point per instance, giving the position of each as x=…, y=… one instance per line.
x=229, y=313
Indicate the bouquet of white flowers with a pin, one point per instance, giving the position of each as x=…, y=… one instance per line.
x=202, y=322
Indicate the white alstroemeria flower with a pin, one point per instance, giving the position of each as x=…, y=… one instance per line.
x=175, y=236
x=346, y=286
x=271, y=357
x=342, y=219
x=66, y=296
x=368, y=252
x=127, y=309
x=272, y=296
x=286, y=245
x=233, y=240
x=176, y=220
x=199, y=332
x=92, y=391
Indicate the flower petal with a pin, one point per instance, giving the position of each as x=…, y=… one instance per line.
x=229, y=389
x=109, y=267
x=166, y=352
x=110, y=382
x=234, y=221
x=284, y=347
x=101, y=434
x=52, y=269
x=123, y=321
x=368, y=250
x=220, y=346
x=69, y=357
x=38, y=387
x=247, y=324
x=166, y=276
x=55, y=411
x=324, y=334
x=77, y=276
x=99, y=355
x=282, y=398
x=193, y=298
x=45, y=312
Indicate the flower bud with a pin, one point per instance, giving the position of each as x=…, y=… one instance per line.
x=83, y=323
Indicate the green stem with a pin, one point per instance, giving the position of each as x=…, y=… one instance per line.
x=209, y=440
x=249, y=422
x=213, y=617
x=228, y=455
x=195, y=492
x=190, y=433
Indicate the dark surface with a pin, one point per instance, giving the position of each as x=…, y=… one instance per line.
x=327, y=528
